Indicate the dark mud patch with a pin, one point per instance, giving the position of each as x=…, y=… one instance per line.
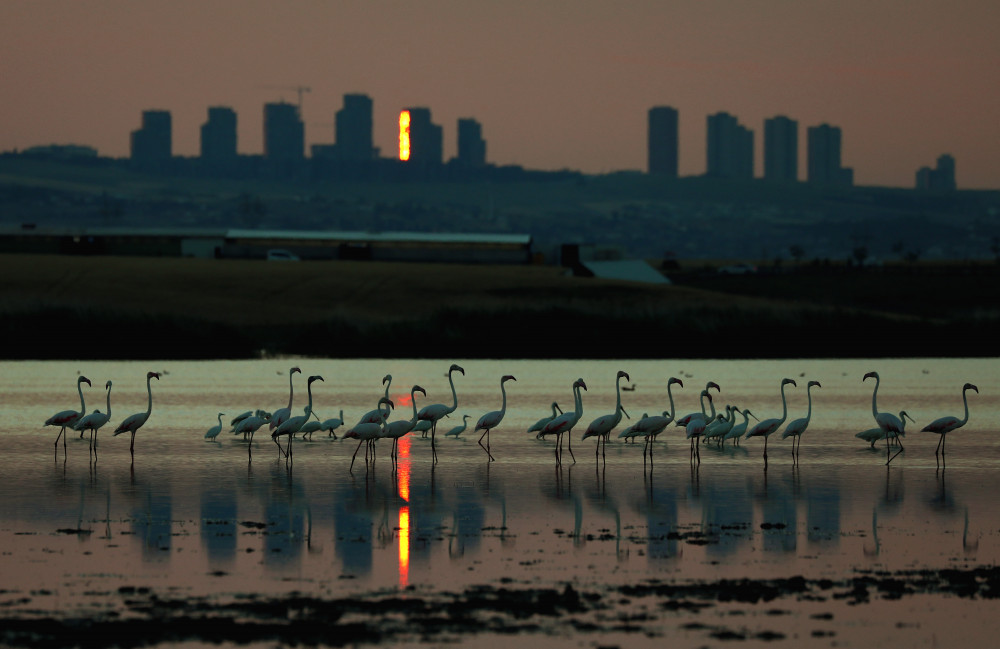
x=139, y=616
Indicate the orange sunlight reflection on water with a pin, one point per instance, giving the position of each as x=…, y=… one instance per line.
x=403, y=473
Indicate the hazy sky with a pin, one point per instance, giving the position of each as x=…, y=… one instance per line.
x=555, y=83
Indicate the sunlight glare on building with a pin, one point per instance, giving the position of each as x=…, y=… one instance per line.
x=404, y=135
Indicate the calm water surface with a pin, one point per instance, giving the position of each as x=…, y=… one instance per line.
x=196, y=518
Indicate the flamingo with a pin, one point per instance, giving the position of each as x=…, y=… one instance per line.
x=333, y=424
x=250, y=425
x=369, y=431
x=240, y=417
x=134, y=422
x=435, y=412
x=422, y=427
x=722, y=425
x=66, y=418
x=653, y=426
x=458, y=430
x=945, y=425
x=282, y=414
x=564, y=423
x=492, y=419
x=373, y=416
x=888, y=422
x=603, y=425
x=737, y=431
x=696, y=426
x=683, y=421
x=95, y=420
x=768, y=426
x=311, y=426
x=798, y=426
x=873, y=435
x=632, y=432
x=397, y=429
x=538, y=425
x=292, y=425
x=214, y=431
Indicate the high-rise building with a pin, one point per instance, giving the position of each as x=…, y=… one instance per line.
x=824, y=157
x=662, y=145
x=284, y=133
x=781, y=149
x=218, y=136
x=424, y=140
x=941, y=179
x=353, y=126
x=151, y=144
x=730, y=148
x=471, y=145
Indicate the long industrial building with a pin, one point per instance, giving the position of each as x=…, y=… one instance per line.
x=256, y=244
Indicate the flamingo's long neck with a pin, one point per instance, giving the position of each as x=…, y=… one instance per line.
x=874, y=394
x=965, y=400
x=413, y=398
x=577, y=403
x=454, y=395
x=79, y=388
x=290, y=375
x=149, y=390
x=784, y=404
x=503, y=393
x=109, y=402
x=670, y=396
x=809, y=397
x=618, y=402
x=309, y=391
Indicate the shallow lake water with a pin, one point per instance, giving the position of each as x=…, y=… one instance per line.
x=837, y=549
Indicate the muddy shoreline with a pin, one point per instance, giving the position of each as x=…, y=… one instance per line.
x=652, y=609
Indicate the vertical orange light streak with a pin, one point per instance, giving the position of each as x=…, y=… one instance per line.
x=403, y=476
x=404, y=547
x=404, y=135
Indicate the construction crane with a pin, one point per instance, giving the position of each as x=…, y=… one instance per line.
x=298, y=89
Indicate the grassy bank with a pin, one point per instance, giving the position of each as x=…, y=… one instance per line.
x=104, y=307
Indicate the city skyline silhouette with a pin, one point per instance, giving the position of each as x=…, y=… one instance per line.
x=556, y=86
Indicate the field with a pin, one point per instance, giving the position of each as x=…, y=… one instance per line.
x=116, y=307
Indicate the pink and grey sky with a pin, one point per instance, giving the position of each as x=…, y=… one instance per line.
x=556, y=84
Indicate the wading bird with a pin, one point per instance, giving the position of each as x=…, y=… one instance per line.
x=67, y=418
x=565, y=422
x=458, y=430
x=602, y=426
x=332, y=424
x=367, y=432
x=249, y=426
x=395, y=430
x=798, y=426
x=95, y=420
x=492, y=419
x=945, y=425
x=890, y=424
x=214, y=431
x=768, y=426
x=134, y=422
x=292, y=425
x=282, y=414
x=372, y=416
x=650, y=427
x=435, y=412
x=538, y=425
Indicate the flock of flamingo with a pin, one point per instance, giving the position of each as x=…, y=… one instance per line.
x=700, y=427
